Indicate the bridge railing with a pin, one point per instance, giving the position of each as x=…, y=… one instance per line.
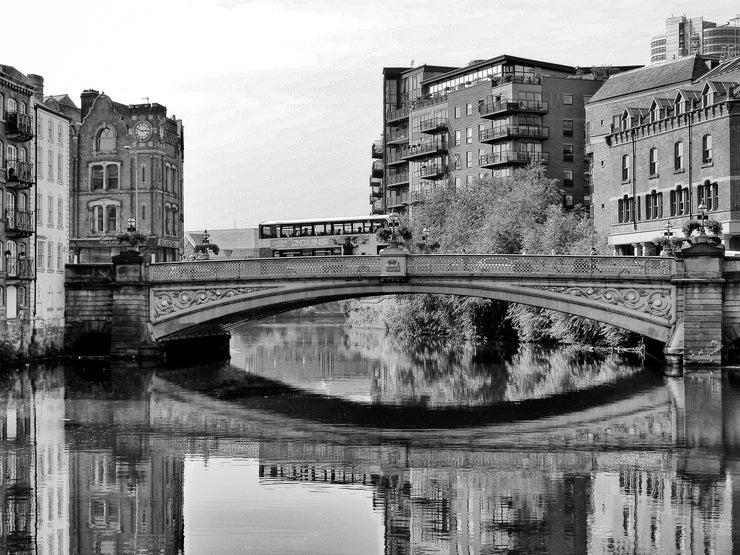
x=421, y=265
x=523, y=265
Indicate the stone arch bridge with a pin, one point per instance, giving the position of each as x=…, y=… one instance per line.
x=689, y=303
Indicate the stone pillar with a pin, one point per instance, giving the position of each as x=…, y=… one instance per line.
x=699, y=284
x=393, y=263
x=130, y=309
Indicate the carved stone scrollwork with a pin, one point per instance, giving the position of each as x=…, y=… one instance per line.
x=656, y=302
x=168, y=302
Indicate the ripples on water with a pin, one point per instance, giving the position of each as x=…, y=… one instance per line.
x=318, y=439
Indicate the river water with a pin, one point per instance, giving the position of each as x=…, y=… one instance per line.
x=315, y=438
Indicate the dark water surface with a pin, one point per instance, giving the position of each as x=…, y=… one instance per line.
x=320, y=439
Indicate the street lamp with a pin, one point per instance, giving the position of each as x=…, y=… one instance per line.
x=702, y=215
x=131, y=223
x=668, y=234
x=136, y=181
x=394, y=221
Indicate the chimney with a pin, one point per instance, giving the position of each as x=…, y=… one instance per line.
x=87, y=98
x=37, y=84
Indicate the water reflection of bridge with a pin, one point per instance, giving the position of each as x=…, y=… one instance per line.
x=441, y=491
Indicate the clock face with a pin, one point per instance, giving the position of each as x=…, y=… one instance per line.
x=142, y=130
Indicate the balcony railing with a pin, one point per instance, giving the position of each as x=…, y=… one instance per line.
x=18, y=173
x=19, y=267
x=396, y=113
x=504, y=132
x=397, y=136
x=433, y=171
x=19, y=221
x=377, y=168
x=376, y=182
x=513, y=157
x=397, y=178
x=395, y=158
x=433, y=125
x=493, y=109
x=19, y=126
x=398, y=201
x=425, y=149
x=429, y=100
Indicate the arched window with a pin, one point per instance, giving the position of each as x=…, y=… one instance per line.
x=12, y=106
x=678, y=156
x=11, y=304
x=22, y=154
x=2, y=107
x=97, y=221
x=12, y=153
x=706, y=149
x=10, y=209
x=168, y=219
x=625, y=167
x=105, y=139
x=653, y=161
x=22, y=108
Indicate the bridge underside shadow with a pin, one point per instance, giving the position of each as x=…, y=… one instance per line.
x=637, y=313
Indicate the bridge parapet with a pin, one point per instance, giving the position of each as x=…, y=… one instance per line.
x=437, y=264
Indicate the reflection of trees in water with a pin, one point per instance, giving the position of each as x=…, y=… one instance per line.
x=537, y=372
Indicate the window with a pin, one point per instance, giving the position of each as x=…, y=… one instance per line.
x=707, y=193
x=40, y=208
x=60, y=138
x=104, y=176
x=678, y=156
x=105, y=140
x=481, y=155
x=51, y=130
x=60, y=212
x=653, y=162
x=653, y=205
x=50, y=164
x=40, y=162
x=568, y=200
x=625, y=167
x=50, y=212
x=111, y=218
x=567, y=178
x=567, y=128
x=50, y=255
x=457, y=182
x=469, y=109
x=679, y=201
x=40, y=127
x=458, y=112
x=111, y=176
x=97, y=223
x=468, y=180
x=567, y=152
x=96, y=177
x=567, y=99
x=458, y=162
x=2, y=105
x=468, y=135
x=457, y=137
x=625, y=205
x=60, y=265
x=706, y=149
x=468, y=159
x=40, y=250
x=60, y=176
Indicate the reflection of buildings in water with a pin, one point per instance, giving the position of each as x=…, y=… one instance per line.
x=34, y=479
x=526, y=503
x=127, y=495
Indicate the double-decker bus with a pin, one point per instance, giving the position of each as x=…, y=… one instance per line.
x=321, y=236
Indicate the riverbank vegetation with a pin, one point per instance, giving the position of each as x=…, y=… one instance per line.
x=523, y=214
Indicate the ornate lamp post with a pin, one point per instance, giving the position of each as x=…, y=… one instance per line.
x=131, y=224
x=394, y=222
x=668, y=234
x=702, y=217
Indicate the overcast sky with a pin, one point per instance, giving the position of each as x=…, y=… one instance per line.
x=281, y=99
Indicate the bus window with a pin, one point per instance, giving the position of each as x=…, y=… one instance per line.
x=320, y=229
x=267, y=231
x=307, y=230
x=358, y=228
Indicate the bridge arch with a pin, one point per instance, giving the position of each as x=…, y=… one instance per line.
x=229, y=312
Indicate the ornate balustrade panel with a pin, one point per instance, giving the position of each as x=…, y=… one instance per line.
x=611, y=266
x=207, y=270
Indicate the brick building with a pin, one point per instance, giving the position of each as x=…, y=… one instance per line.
x=663, y=140
x=448, y=126
x=17, y=186
x=127, y=166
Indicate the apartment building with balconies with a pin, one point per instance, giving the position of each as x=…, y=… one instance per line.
x=687, y=36
x=663, y=142
x=449, y=126
x=17, y=188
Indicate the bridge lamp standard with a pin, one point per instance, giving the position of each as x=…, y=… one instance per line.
x=668, y=234
x=702, y=215
x=394, y=221
x=136, y=181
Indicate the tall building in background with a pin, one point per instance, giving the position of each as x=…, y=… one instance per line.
x=127, y=173
x=686, y=36
x=448, y=126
